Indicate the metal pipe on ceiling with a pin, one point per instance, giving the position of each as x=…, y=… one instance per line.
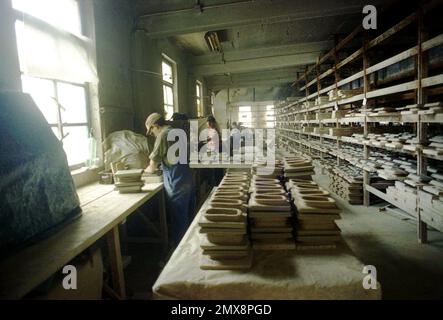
x=203, y=7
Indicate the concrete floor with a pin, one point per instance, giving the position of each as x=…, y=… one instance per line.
x=405, y=268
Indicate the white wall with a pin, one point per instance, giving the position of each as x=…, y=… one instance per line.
x=148, y=81
x=9, y=65
x=219, y=108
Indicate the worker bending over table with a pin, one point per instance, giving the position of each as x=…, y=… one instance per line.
x=177, y=179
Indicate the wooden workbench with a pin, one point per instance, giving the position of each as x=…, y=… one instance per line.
x=103, y=210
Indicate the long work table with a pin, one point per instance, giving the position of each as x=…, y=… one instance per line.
x=319, y=274
x=103, y=210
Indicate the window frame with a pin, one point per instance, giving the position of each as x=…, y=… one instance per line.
x=173, y=86
x=22, y=16
x=199, y=99
x=60, y=122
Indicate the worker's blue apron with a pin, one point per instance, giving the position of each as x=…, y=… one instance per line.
x=180, y=198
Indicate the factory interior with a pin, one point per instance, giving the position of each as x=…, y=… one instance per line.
x=221, y=150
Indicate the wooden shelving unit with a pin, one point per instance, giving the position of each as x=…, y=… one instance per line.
x=296, y=120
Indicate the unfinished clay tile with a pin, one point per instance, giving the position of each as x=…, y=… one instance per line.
x=269, y=197
x=228, y=203
x=313, y=192
x=268, y=204
x=225, y=225
x=304, y=208
x=241, y=186
x=266, y=211
x=229, y=189
x=220, y=214
x=225, y=238
x=315, y=201
x=232, y=195
x=276, y=244
x=205, y=244
x=264, y=179
x=270, y=221
x=270, y=191
x=272, y=202
x=301, y=187
x=305, y=185
x=267, y=186
x=226, y=254
x=271, y=235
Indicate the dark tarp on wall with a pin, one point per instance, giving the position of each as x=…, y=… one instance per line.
x=37, y=193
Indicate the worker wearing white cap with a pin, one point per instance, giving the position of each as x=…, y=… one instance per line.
x=177, y=178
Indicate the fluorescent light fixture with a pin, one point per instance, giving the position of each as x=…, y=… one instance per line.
x=213, y=41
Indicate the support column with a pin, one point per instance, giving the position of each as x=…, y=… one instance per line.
x=422, y=70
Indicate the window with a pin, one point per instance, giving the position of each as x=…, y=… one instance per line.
x=270, y=116
x=199, y=101
x=245, y=116
x=168, y=87
x=55, y=62
x=62, y=14
x=257, y=115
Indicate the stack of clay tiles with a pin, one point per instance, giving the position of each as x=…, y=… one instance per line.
x=270, y=215
x=298, y=167
x=223, y=225
x=316, y=213
x=346, y=181
x=273, y=171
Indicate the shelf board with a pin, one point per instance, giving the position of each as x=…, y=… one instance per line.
x=351, y=119
x=435, y=118
x=383, y=196
x=440, y=158
x=409, y=153
x=410, y=118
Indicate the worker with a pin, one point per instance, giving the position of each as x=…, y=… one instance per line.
x=177, y=179
x=235, y=138
x=214, y=143
x=214, y=134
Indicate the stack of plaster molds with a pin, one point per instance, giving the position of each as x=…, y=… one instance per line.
x=321, y=100
x=262, y=168
x=347, y=182
x=431, y=201
x=316, y=215
x=435, y=148
x=270, y=215
x=223, y=226
x=298, y=167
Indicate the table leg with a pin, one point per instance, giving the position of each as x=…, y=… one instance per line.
x=422, y=231
x=163, y=221
x=115, y=256
x=366, y=195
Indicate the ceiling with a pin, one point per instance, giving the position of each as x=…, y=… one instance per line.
x=264, y=42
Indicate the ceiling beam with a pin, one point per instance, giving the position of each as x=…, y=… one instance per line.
x=246, y=54
x=269, y=78
x=224, y=16
x=256, y=64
